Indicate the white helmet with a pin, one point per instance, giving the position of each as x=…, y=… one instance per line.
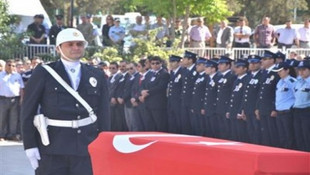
x=70, y=34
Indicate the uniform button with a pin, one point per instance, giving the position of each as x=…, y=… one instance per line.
x=77, y=105
x=79, y=131
x=193, y=93
x=260, y=97
x=78, y=117
x=231, y=105
x=206, y=93
x=262, y=87
x=56, y=88
x=217, y=98
x=218, y=90
x=248, y=86
x=246, y=91
x=245, y=100
x=232, y=95
x=185, y=82
x=231, y=100
x=245, y=95
x=183, y=91
x=169, y=94
x=95, y=92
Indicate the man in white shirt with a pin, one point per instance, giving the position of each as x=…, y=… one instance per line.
x=242, y=34
x=11, y=94
x=225, y=35
x=286, y=36
x=304, y=35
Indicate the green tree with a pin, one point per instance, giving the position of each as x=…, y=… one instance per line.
x=4, y=18
x=212, y=10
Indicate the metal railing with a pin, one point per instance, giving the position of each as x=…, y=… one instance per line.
x=32, y=50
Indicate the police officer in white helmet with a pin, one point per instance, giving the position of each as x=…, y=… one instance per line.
x=71, y=125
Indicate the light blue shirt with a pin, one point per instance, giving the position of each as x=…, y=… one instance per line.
x=116, y=33
x=285, y=93
x=302, y=93
x=10, y=84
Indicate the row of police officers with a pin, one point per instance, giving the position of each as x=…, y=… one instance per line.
x=258, y=100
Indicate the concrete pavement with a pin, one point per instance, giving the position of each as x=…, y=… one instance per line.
x=13, y=160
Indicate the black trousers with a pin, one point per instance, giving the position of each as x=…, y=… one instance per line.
x=224, y=126
x=270, y=136
x=242, y=45
x=64, y=165
x=174, y=118
x=118, y=122
x=285, y=127
x=158, y=119
x=253, y=128
x=185, y=120
x=9, y=117
x=198, y=122
x=212, y=126
x=302, y=128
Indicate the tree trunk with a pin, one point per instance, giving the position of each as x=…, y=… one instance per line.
x=187, y=11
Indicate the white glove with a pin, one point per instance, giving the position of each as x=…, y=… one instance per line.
x=33, y=156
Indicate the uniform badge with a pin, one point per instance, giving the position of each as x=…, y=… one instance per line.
x=93, y=81
x=212, y=83
x=194, y=73
x=221, y=80
x=177, y=79
x=272, y=78
x=153, y=78
x=225, y=80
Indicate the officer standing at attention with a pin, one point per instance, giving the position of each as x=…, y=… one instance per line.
x=174, y=91
x=224, y=90
x=56, y=28
x=209, y=110
x=284, y=102
x=155, y=95
x=71, y=128
x=197, y=118
x=265, y=109
x=188, y=81
x=302, y=107
x=238, y=125
x=250, y=97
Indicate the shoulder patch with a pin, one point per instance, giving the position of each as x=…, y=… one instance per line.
x=292, y=80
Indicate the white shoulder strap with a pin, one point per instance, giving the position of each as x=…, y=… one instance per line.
x=69, y=89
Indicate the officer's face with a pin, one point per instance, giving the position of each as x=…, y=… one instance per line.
x=139, y=67
x=304, y=72
x=73, y=50
x=131, y=69
x=279, y=60
x=10, y=67
x=173, y=65
x=200, y=67
x=254, y=66
x=185, y=62
x=208, y=70
x=266, y=63
x=240, y=70
x=222, y=67
x=155, y=65
x=283, y=73
x=123, y=67
x=113, y=69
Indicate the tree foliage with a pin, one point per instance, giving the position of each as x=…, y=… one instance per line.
x=4, y=18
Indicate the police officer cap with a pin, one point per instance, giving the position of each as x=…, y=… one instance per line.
x=280, y=55
x=268, y=54
x=201, y=60
x=70, y=34
x=304, y=64
x=293, y=62
x=254, y=58
x=211, y=63
x=215, y=59
x=89, y=16
x=173, y=58
x=39, y=16
x=59, y=17
x=241, y=62
x=190, y=55
x=307, y=57
x=280, y=66
x=224, y=59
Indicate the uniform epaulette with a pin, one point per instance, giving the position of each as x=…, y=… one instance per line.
x=292, y=80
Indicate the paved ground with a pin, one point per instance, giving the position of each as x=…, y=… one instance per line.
x=13, y=160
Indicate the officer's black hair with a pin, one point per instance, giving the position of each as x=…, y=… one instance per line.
x=114, y=63
x=142, y=62
x=124, y=61
x=292, y=71
x=156, y=58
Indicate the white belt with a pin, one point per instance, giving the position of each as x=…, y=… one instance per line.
x=72, y=123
